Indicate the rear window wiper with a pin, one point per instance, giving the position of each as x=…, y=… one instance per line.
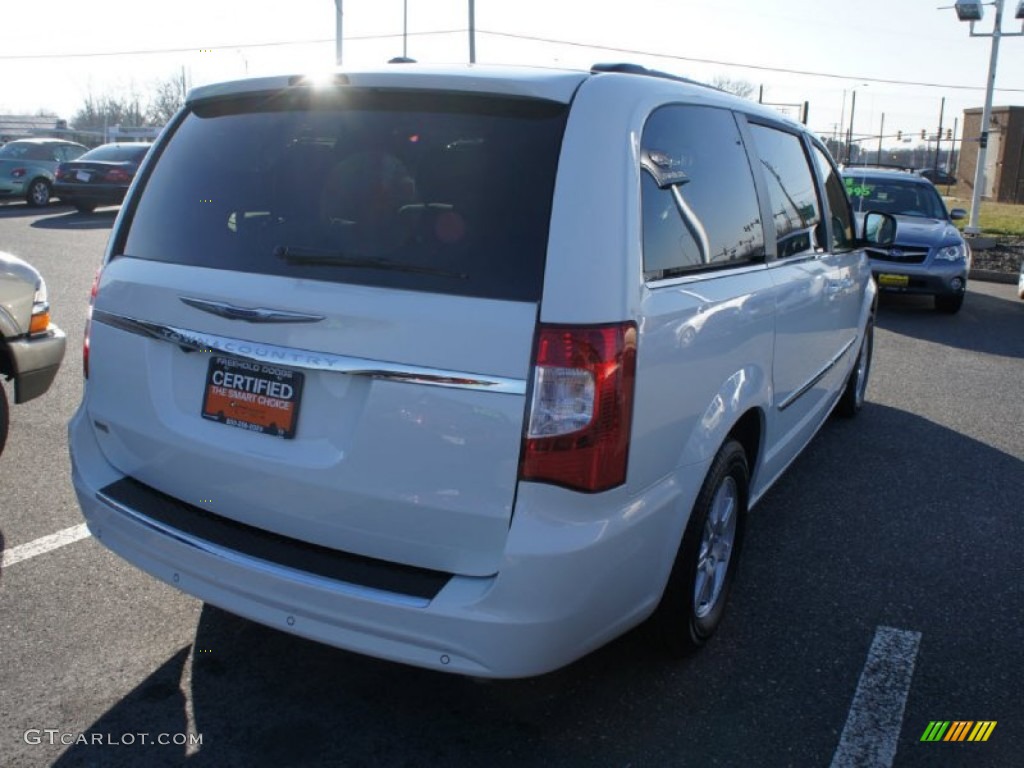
x=317, y=257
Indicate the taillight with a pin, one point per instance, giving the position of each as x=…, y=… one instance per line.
x=18, y=173
x=582, y=406
x=60, y=173
x=118, y=175
x=88, y=322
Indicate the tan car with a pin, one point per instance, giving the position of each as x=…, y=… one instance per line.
x=31, y=347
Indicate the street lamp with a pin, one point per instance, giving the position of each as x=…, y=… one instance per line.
x=971, y=10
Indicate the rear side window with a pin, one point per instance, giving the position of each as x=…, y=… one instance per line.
x=698, y=197
x=420, y=191
x=791, y=191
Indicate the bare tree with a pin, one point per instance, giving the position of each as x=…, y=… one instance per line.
x=99, y=112
x=738, y=87
x=130, y=108
x=166, y=98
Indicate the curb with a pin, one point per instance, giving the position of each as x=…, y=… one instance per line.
x=991, y=276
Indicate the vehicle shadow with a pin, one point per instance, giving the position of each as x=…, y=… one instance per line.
x=260, y=697
x=985, y=323
x=17, y=210
x=74, y=220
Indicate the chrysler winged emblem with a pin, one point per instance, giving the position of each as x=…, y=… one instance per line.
x=250, y=314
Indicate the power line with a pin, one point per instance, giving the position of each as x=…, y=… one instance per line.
x=510, y=35
x=225, y=47
x=635, y=52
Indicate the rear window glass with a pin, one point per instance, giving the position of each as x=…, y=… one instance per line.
x=27, y=151
x=422, y=191
x=116, y=154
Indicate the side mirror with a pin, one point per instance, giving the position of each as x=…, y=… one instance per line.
x=958, y=213
x=879, y=228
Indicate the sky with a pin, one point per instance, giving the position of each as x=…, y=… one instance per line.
x=900, y=57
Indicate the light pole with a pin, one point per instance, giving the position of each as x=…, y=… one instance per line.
x=337, y=31
x=971, y=10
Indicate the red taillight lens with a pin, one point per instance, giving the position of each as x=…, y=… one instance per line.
x=18, y=173
x=88, y=322
x=118, y=175
x=582, y=406
x=60, y=173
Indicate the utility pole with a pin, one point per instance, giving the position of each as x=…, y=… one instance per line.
x=881, y=132
x=938, y=139
x=849, y=133
x=472, y=32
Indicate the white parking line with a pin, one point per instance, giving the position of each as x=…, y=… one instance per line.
x=43, y=545
x=873, y=726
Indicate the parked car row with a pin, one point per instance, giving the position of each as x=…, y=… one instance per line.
x=37, y=170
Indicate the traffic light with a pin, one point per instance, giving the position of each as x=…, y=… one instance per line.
x=949, y=134
x=899, y=135
x=924, y=134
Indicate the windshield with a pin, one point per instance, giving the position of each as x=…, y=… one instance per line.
x=415, y=190
x=895, y=197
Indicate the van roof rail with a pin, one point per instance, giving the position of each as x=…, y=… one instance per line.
x=628, y=68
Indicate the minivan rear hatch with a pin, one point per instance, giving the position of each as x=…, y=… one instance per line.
x=317, y=315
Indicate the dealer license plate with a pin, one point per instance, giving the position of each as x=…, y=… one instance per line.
x=253, y=396
x=893, y=281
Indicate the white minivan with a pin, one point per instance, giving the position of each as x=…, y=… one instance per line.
x=465, y=367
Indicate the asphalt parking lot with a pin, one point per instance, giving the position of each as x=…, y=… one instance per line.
x=879, y=592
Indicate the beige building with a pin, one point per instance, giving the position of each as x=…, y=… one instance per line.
x=1004, y=160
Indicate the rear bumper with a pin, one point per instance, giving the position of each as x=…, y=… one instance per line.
x=95, y=194
x=571, y=578
x=36, y=362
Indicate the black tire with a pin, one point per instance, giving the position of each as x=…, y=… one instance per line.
x=708, y=555
x=38, y=193
x=852, y=399
x=4, y=418
x=85, y=207
x=949, y=304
